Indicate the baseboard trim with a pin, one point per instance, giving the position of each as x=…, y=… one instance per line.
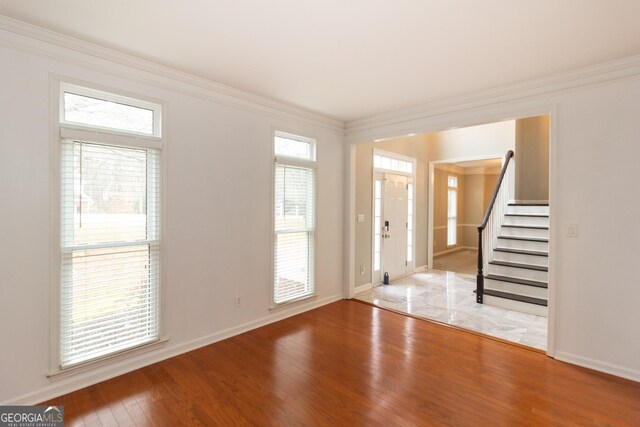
x=364, y=287
x=421, y=268
x=457, y=248
x=86, y=379
x=597, y=365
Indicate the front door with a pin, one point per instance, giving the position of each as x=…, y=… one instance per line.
x=394, y=224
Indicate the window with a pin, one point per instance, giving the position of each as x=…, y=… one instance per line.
x=110, y=228
x=294, y=218
x=380, y=161
x=377, y=224
x=452, y=210
x=409, y=223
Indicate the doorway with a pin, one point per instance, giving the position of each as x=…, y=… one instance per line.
x=393, y=213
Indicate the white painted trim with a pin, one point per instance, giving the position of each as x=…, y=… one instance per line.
x=350, y=220
x=456, y=249
x=554, y=230
x=429, y=117
x=597, y=365
x=421, y=268
x=112, y=370
x=364, y=287
x=49, y=44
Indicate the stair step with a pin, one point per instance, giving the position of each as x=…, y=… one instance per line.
x=534, y=227
x=535, y=283
x=527, y=239
x=519, y=265
x=533, y=209
x=521, y=298
x=521, y=251
x=530, y=214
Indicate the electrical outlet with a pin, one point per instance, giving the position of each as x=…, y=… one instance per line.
x=362, y=269
x=238, y=301
x=571, y=230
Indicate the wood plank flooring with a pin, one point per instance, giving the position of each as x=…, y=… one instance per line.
x=349, y=364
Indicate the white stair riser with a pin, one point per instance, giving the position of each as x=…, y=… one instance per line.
x=523, y=307
x=536, y=221
x=521, y=258
x=524, y=232
x=516, y=288
x=528, y=210
x=525, y=245
x=521, y=273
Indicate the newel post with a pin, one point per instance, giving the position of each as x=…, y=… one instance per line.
x=480, y=276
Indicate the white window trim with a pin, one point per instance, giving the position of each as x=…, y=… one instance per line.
x=58, y=132
x=119, y=97
x=293, y=161
x=449, y=188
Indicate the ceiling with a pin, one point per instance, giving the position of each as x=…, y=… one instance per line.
x=349, y=59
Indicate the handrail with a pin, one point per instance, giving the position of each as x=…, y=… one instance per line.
x=508, y=157
x=483, y=226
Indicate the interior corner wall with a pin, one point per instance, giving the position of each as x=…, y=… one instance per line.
x=218, y=216
x=412, y=147
x=532, y=159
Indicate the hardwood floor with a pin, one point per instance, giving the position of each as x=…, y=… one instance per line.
x=348, y=363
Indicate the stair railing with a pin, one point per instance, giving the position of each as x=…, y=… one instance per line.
x=491, y=223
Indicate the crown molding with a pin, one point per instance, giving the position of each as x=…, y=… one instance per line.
x=586, y=76
x=149, y=72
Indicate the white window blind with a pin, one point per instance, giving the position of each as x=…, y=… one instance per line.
x=294, y=219
x=110, y=249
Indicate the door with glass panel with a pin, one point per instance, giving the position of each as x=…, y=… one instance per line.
x=394, y=224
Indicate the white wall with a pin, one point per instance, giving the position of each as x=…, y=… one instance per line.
x=218, y=212
x=594, y=150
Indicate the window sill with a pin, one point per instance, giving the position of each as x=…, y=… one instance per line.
x=293, y=301
x=59, y=373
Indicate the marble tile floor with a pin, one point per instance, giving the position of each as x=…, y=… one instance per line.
x=448, y=298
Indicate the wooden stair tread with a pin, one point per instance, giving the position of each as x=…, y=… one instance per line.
x=517, y=280
x=521, y=251
x=535, y=215
x=519, y=265
x=515, y=297
x=529, y=239
x=536, y=227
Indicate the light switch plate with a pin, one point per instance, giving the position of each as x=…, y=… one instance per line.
x=360, y=217
x=571, y=230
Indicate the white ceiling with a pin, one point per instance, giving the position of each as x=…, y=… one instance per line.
x=349, y=59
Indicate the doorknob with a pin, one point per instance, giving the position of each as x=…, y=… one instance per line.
x=386, y=236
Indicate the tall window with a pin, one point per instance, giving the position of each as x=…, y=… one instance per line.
x=294, y=217
x=452, y=210
x=110, y=224
x=377, y=227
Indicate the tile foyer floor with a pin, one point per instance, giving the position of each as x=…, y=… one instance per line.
x=448, y=297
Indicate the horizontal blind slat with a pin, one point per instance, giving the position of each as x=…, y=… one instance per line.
x=110, y=245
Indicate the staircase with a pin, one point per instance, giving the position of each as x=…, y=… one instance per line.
x=516, y=275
